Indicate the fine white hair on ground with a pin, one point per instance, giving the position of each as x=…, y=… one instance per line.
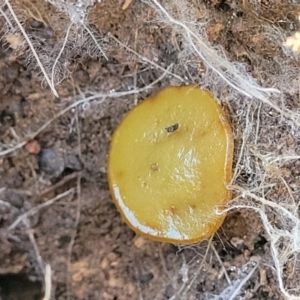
x=48, y=59
x=264, y=117
x=179, y=16
x=15, y=26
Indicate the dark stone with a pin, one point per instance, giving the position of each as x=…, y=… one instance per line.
x=51, y=162
x=73, y=162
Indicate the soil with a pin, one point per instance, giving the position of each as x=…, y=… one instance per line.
x=80, y=234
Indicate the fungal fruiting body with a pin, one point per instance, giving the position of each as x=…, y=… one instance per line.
x=169, y=163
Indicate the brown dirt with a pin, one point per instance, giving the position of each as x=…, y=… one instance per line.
x=97, y=256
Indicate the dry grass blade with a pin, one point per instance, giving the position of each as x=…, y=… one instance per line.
x=102, y=96
x=234, y=289
x=31, y=47
x=35, y=209
x=48, y=281
x=233, y=74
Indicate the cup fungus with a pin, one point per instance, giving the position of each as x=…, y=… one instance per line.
x=169, y=163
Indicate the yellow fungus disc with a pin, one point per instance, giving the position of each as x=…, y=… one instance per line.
x=169, y=163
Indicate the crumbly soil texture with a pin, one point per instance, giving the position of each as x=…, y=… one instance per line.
x=55, y=206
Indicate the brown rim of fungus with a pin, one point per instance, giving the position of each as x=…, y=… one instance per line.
x=154, y=167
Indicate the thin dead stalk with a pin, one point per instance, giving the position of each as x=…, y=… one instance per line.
x=187, y=288
x=48, y=284
x=30, y=234
x=37, y=208
x=221, y=263
x=31, y=47
x=102, y=96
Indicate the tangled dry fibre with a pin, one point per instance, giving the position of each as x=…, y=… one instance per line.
x=264, y=116
x=257, y=111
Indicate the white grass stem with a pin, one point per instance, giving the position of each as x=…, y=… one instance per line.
x=244, y=84
x=207, y=50
x=75, y=104
x=145, y=59
x=7, y=20
x=35, y=209
x=59, y=55
x=286, y=212
x=238, y=288
x=31, y=47
x=94, y=39
x=48, y=284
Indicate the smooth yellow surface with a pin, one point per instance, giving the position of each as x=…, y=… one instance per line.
x=169, y=163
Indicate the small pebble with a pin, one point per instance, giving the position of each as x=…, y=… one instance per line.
x=33, y=147
x=51, y=162
x=73, y=162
